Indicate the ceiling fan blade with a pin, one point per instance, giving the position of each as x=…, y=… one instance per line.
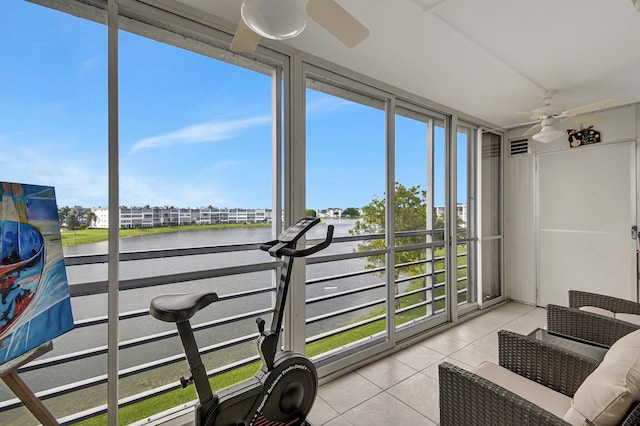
x=587, y=119
x=513, y=126
x=337, y=21
x=244, y=40
x=533, y=130
x=609, y=103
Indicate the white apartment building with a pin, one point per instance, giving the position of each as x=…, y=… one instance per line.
x=139, y=217
x=330, y=213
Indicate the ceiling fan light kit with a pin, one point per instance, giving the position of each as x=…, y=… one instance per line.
x=548, y=134
x=274, y=19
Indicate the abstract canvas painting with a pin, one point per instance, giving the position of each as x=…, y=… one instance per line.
x=34, y=293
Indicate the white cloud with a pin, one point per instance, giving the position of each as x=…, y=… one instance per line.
x=138, y=190
x=212, y=131
x=326, y=104
x=78, y=180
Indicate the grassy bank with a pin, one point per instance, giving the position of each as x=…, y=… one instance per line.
x=93, y=235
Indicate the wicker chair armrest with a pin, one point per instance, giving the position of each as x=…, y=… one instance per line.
x=554, y=367
x=587, y=325
x=633, y=416
x=468, y=399
x=578, y=299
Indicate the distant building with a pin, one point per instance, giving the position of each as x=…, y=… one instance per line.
x=461, y=212
x=329, y=213
x=149, y=217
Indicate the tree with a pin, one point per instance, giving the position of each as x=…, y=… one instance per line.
x=310, y=213
x=410, y=215
x=351, y=212
x=72, y=222
x=62, y=214
x=90, y=217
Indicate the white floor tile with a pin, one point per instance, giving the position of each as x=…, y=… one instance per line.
x=385, y=410
x=386, y=372
x=418, y=357
x=346, y=392
x=421, y=393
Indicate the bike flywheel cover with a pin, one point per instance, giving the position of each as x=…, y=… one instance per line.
x=289, y=391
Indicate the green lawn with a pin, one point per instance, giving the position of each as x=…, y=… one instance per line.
x=94, y=235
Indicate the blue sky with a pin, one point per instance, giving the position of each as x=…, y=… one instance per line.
x=194, y=131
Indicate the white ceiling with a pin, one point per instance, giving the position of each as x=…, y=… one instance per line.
x=486, y=58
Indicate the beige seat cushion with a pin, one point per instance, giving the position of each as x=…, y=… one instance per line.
x=604, y=398
x=632, y=318
x=599, y=311
x=550, y=400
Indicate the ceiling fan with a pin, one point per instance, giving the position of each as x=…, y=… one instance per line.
x=545, y=117
x=283, y=19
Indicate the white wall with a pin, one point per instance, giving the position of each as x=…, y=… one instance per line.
x=522, y=236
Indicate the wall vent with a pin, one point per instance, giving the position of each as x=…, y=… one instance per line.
x=519, y=146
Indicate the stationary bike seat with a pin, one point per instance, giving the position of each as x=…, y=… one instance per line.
x=179, y=307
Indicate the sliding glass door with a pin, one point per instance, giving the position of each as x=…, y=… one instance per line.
x=419, y=251
x=346, y=300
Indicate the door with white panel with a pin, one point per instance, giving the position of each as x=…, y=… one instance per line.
x=586, y=209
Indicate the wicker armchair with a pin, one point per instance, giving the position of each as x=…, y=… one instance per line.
x=468, y=399
x=578, y=299
x=587, y=325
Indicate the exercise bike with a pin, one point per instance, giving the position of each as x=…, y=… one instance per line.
x=284, y=389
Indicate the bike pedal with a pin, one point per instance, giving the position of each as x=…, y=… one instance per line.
x=261, y=324
x=185, y=382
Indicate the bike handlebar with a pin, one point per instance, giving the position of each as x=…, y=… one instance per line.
x=267, y=246
x=277, y=248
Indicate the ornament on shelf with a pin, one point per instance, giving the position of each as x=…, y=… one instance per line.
x=583, y=137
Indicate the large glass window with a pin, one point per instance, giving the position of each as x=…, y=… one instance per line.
x=345, y=185
x=196, y=173
x=196, y=168
x=53, y=132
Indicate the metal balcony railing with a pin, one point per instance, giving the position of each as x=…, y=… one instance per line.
x=369, y=293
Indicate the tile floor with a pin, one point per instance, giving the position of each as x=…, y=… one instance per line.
x=403, y=388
